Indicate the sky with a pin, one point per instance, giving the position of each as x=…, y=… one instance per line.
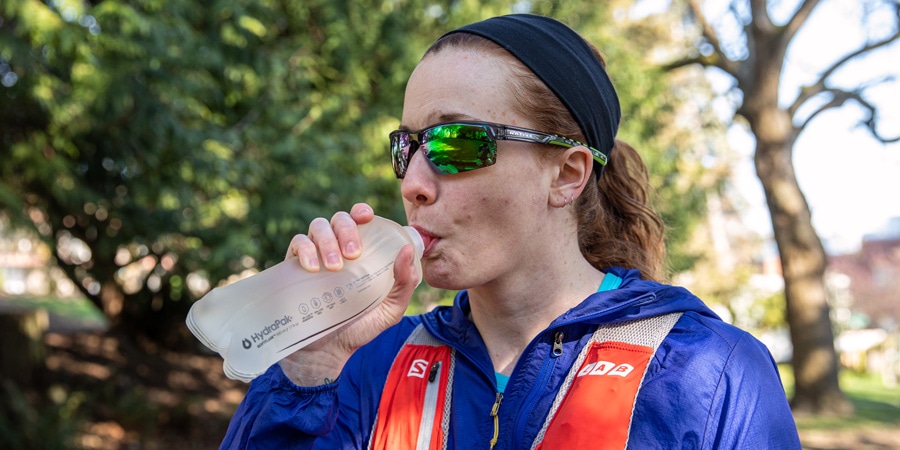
x=851, y=181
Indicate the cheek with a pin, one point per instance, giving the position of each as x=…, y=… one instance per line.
x=514, y=196
x=499, y=204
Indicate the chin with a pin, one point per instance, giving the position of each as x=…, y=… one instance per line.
x=442, y=281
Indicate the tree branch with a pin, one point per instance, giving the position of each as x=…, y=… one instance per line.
x=718, y=58
x=798, y=19
x=708, y=31
x=759, y=15
x=871, y=123
x=705, y=61
x=809, y=91
x=839, y=97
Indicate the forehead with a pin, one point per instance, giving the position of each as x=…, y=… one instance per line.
x=457, y=83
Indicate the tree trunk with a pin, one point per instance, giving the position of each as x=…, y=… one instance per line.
x=112, y=301
x=803, y=262
x=22, y=345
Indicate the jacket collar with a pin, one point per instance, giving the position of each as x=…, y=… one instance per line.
x=634, y=299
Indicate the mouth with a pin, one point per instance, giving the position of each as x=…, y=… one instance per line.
x=429, y=239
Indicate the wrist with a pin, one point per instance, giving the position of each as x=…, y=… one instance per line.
x=311, y=371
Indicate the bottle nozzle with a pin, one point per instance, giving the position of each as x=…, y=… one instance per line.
x=416, y=239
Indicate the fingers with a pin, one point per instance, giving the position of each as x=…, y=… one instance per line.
x=303, y=248
x=322, y=361
x=362, y=213
x=327, y=238
x=328, y=243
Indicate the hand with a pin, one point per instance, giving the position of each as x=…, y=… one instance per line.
x=326, y=245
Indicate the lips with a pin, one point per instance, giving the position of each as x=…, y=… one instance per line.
x=428, y=239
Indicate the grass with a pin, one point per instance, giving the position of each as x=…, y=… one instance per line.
x=78, y=308
x=877, y=405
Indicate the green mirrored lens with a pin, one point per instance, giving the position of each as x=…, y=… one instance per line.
x=459, y=148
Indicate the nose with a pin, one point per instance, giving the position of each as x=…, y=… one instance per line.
x=418, y=187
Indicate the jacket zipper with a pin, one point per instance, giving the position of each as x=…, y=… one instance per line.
x=546, y=367
x=495, y=410
x=541, y=382
x=557, y=344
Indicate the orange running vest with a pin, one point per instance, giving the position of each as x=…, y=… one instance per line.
x=592, y=409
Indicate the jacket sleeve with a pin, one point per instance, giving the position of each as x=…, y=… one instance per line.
x=750, y=408
x=276, y=413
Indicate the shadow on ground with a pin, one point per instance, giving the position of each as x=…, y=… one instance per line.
x=101, y=391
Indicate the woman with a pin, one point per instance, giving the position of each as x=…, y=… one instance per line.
x=559, y=337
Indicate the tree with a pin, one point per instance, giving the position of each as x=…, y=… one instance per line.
x=755, y=60
x=152, y=147
x=159, y=151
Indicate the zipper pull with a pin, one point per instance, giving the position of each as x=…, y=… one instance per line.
x=558, y=344
x=434, y=371
x=494, y=413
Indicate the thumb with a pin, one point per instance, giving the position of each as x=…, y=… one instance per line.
x=406, y=278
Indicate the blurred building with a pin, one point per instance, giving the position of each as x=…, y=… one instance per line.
x=26, y=266
x=23, y=264
x=874, y=273
x=871, y=339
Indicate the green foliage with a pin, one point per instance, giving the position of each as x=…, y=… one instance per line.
x=192, y=134
x=51, y=423
x=180, y=141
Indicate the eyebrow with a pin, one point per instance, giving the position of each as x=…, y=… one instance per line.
x=446, y=118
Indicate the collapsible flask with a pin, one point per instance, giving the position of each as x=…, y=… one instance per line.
x=257, y=321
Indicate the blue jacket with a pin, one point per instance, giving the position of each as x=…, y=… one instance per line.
x=710, y=385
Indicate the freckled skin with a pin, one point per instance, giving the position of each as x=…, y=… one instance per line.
x=490, y=223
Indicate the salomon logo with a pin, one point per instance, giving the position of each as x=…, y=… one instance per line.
x=418, y=368
x=606, y=368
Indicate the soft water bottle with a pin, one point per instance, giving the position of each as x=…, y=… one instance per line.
x=257, y=321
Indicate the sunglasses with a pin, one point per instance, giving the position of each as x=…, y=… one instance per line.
x=463, y=146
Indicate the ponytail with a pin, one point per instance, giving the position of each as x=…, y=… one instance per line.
x=616, y=224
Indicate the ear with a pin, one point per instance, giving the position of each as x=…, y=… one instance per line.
x=573, y=173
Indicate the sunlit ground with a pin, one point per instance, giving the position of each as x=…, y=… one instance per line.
x=874, y=425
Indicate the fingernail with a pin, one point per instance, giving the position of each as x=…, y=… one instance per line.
x=351, y=248
x=314, y=263
x=332, y=259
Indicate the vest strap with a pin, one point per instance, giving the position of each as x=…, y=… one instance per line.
x=414, y=408
x=595, y=405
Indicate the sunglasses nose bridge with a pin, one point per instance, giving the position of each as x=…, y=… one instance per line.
x=414, y=146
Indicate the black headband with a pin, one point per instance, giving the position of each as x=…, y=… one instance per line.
x=562, y=59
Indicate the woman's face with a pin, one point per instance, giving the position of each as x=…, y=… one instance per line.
x=486, y=225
